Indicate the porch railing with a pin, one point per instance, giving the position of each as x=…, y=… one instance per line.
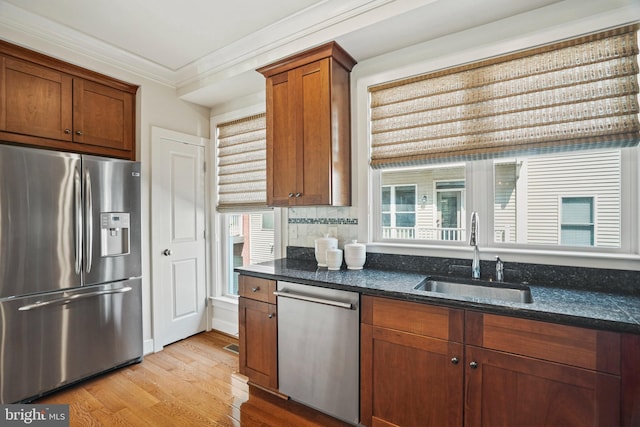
x=423, y=233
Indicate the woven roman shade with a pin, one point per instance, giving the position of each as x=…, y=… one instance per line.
x=242, y=164
x=579, y=93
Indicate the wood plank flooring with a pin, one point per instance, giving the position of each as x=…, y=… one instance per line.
x=193, y=382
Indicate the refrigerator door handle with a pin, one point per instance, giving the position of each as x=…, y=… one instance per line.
x=78, y=217
x=88, y=215
x=72, y=298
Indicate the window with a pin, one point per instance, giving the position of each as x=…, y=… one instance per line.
x=543, y=144
x=248, y=226
x=577, y=227
x=247, y=242
x=398, y=211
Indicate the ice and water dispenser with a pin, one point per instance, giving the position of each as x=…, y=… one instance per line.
x=114, y=236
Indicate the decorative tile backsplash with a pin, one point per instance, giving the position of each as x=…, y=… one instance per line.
x=308, y=224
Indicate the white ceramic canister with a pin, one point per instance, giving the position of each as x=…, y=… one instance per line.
x=355, y=254
x=322, y=245
x=334, y=259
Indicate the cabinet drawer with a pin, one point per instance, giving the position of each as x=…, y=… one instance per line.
x=570, y=345
x=257, y=289
x=420, y=319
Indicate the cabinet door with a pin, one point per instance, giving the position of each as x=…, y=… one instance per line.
x=410, y=380
x=35, y=100
x=313, y=133
x=102, y=116
x=281, y=145
x=510, y=390
x=258, y=342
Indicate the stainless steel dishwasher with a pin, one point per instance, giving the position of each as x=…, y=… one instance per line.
x=319, y=348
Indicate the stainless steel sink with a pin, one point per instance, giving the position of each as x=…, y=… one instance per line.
x=476, y=289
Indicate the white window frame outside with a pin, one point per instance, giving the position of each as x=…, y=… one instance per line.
x=594, y=213
x=393, y=212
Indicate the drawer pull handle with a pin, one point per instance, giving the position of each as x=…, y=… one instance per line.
x=455, y=360
x=474, y=365
x=256, y=289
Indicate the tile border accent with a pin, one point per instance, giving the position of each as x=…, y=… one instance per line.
x=324, y=221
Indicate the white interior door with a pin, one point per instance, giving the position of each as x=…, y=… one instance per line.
x=178, y=241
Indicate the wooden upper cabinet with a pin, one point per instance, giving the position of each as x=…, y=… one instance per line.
x=102, y=116
x=308, y=128
x=48, y=103
x=36, y=100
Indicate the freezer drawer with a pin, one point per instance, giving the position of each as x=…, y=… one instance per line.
x=51, y=340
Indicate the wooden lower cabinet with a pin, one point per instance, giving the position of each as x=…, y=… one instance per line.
x=503, y=389
x=418, y=370
x=409, y=378
x=258, y=332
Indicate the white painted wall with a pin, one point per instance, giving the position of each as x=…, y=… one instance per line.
x=156, y=105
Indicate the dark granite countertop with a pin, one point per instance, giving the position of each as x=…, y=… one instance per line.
x=578, y=307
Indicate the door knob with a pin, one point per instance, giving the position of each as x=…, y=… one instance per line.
x=166, y=252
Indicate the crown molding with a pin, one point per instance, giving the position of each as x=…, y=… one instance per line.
x=17, y=25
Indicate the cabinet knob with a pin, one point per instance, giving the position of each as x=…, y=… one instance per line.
x=256, y=289
x=298, y=194
x=290, y=195
x=474, y=365
x=166, y=252
x=270, y=316
x=67, y=131
x=79, y=133
x=455, y=360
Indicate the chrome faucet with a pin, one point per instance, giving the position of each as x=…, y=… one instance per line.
x=473, y=241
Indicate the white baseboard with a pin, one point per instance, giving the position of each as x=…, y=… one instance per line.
x=228, y=328
x=147, y=347
x=224, y=315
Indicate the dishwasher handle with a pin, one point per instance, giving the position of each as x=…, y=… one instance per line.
x=340, y=304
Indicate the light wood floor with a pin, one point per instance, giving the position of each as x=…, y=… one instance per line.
x=193, y=382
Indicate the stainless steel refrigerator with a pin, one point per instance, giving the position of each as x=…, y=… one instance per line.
x=70, y=274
